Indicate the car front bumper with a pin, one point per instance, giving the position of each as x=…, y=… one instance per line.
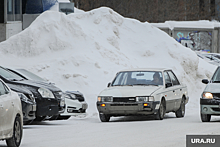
x=28, y=110
x=74, y=107
x=123, y=109
x=210, y=106
x=47, y=107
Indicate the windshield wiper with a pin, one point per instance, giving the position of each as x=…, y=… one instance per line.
x=215, y=81
x=147, y=84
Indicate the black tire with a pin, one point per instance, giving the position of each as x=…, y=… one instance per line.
x=104, y=117
x=181, y=111
x=15, y=140
x=205, y=117
x=54, y=117
x=161, y=111
x=27, y=122
x=40, y=118
x=63, y=117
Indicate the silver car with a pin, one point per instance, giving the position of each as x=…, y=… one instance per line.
x=11, y=117
x=210, y=98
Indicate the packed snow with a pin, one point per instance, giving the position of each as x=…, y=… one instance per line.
x=83, y=51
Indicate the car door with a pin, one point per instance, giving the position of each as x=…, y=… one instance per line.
x=6, y=109
x=169, y=92
x=176, y=89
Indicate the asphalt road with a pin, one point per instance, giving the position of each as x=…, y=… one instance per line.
x=119, y=132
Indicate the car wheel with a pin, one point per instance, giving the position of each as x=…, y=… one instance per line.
x=161, y=111
x=15, y=140
x=40, y=118
x=63, y=117
x=27, y=122
x=181, y=111
x=104, y=117
x=54, y=117
x=205, y=117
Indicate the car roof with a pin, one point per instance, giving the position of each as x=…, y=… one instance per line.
x=146, y=69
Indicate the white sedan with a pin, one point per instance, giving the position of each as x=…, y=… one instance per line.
x=11, y=117
x=143, y=92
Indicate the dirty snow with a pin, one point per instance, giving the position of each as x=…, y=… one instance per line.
x=83, y=51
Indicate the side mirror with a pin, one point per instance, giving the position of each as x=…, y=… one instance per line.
x=109, y=84
x=205, y=81
x=168, y=85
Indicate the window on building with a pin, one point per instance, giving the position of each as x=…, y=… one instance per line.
x=212, y=7
x=14, y=10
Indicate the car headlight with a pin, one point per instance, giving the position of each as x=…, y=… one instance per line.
x=23, y=97
x=105, y=99
x=144, y=98
x=207, y=95
x=73, y=96
x=45, y=93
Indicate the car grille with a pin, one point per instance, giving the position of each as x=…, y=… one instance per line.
x=30, y=97
x=124, y=99
x=216, y=96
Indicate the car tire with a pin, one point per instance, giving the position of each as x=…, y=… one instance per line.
x=205, y=117
x=27, y=122
x=181, y=111
x=161, y=111
x=40, y=118
x=63, y=117
x=104, y=117
x=54, y=117
x=15, y=140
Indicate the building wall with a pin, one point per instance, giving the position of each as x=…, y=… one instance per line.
x=2, y=11
x=196, y=39
x=2, y=32
x=13, y=28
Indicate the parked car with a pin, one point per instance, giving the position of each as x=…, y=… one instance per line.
x=210, y=98
x=11, y=124
x=75, y=104
x=143, y=92
x=74, y=100
x=209, y=57
x=28, y=103
x=48, y=97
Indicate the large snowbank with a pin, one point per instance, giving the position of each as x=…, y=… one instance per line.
x=83, y=51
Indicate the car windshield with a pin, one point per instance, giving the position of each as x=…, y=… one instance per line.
x=216, y=76
x=31, y=76
x=9, y=75
x=130, y=78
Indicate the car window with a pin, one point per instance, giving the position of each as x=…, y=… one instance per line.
x=31, y=75
x=216, y=76
x=173, y=78
x=167, y=78
x=3, y=89
x=138, y=78
x=9, y=75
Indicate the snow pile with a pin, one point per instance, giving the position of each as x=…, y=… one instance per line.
x=83, y=51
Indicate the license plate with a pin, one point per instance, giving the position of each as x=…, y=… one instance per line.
x=34, y=107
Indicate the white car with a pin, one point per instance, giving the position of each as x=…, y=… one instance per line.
x=75, y=105
x=143, y=92
x=74, y=100
x=11, y=117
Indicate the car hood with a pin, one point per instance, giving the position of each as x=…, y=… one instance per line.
x=38, y=84
x=74, y=92
x=129, y=91
x=18, y=88
x=213, y=88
